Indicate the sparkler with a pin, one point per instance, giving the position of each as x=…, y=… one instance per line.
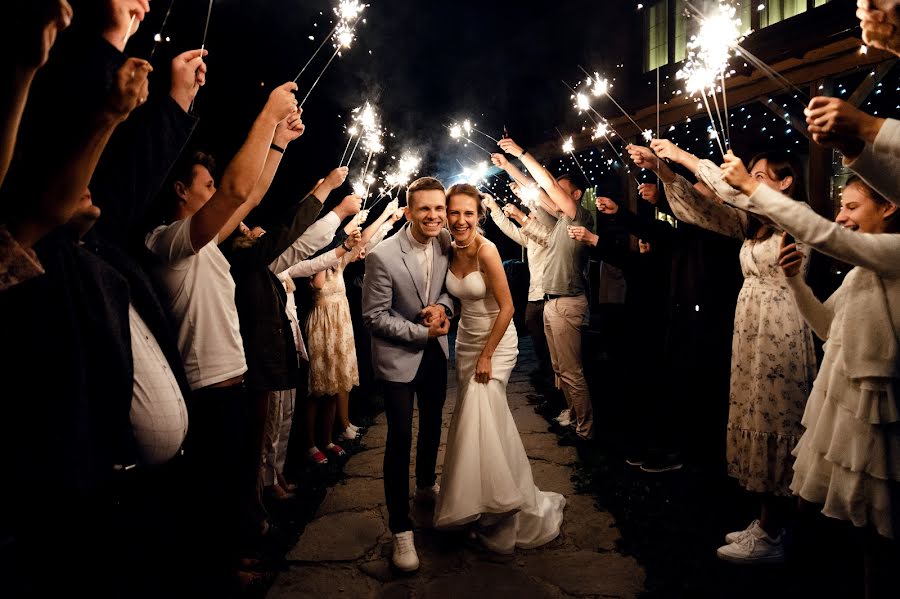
x=346, y=11
x=159, y=36
x=569, y=148
x=457, y=132
x=352, y=131
x=342, y=36
x=203, y=45
x=599, y=87
x=602, y=130
x=708, y=55
x=130, y=28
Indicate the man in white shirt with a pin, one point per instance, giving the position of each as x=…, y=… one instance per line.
x=195, y=278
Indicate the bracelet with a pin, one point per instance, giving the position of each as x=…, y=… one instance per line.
x=346, y=249
x=524, y=151
x=278, y=149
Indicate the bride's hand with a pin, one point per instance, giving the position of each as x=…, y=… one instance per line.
x=483, y=370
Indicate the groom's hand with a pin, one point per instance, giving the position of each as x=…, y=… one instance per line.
x=439, y=327
x=431, y=313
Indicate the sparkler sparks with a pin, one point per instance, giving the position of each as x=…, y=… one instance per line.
x=647, y=135
x=568, y=146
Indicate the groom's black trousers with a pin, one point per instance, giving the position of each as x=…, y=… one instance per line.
x=430, y=386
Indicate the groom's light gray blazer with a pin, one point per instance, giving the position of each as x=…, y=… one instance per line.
x=393, y=297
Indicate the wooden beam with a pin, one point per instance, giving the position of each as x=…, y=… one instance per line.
x=786, y=116
x=832, y=60
x=869, y=83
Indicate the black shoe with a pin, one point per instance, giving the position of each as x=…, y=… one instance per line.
x=535, y=399
x=547, y=409
x=571, y=439
x=666, y=463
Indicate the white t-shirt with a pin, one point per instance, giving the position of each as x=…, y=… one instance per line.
x=200, y=293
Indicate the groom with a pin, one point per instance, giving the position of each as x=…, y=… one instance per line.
x=407, y=311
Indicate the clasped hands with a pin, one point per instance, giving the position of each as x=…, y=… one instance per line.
x=435, y=318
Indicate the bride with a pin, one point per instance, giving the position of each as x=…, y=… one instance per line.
x=487, y=478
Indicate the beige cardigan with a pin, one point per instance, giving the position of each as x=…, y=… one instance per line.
x=871, y=326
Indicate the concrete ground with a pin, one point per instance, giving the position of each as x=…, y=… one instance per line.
x=345, y=550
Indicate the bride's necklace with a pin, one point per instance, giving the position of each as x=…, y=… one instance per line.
x=462, y=247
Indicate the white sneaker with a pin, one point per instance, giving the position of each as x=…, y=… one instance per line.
x=752, y=549
x=564, y=418
x=405, y=557
x=734, y=537
x=427, y=494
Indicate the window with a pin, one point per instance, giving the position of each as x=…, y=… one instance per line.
x=656, y=52
x=779, y=10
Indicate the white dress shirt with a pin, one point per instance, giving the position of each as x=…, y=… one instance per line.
x=424, y=253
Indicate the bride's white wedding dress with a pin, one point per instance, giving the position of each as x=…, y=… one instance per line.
x=487, y=477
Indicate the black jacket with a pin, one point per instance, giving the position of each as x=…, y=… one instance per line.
x=260, y=298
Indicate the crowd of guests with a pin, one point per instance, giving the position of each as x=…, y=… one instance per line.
x=167, y=339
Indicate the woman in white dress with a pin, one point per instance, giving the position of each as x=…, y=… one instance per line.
x=487, y=478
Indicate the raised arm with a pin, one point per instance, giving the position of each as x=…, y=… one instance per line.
x=318, y=235
x=243, y=172
x=879, y=252
x=286, y=131
x=532, y=228
x=542, y=176
x=503, y=223
x=62, y=186
x=31, y=35
x=685, y=201
x=492, y=267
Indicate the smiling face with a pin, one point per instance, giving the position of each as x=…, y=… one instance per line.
x=761, y=173
x=426, y=213
x=462, y=217
x=860, y=212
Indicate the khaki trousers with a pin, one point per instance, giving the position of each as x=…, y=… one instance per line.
x=564, y=320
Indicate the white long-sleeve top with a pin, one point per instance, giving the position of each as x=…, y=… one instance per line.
x=536, y=252
x=317, y=236
x=879, y=163
x=871, y=326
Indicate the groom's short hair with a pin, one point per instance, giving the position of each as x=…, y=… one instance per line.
x=423, y=184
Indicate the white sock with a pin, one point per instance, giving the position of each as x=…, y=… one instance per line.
x=354, y=427
x=349, y=432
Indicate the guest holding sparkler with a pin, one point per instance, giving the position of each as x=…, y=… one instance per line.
x=880, y=22
x=566, y=307
x=773, y=358
x=534, y=312
x=333, y=370
x=647, y=274
x=848, y=459
x=870, y=144
x=194, y=274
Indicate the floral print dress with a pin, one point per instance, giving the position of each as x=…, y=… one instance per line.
x=773, y=361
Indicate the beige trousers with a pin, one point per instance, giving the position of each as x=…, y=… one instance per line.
x=564, y=319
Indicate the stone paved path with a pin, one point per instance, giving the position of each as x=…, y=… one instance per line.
x=345, y=551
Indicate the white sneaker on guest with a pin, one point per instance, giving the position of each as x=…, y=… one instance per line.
x=427, y=494
x=564, y=418
x=737, y=535
x=753, y=549
x=405, y=557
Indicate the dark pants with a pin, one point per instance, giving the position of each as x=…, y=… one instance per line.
x=430, y=386
x=216, y=459
x=534, y=322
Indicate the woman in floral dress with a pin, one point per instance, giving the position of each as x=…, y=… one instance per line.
x=333, y=370
x=773, y=362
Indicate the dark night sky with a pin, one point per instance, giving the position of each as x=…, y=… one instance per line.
x=500, y=63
